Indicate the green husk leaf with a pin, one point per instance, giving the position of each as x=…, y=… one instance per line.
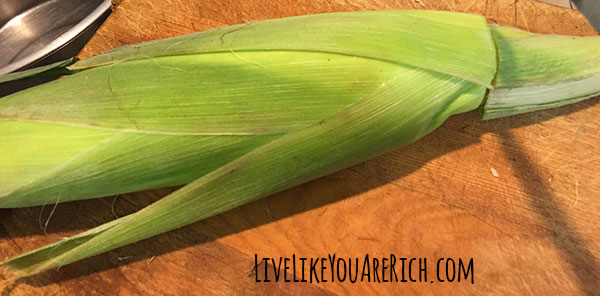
x=539, y=72
x=407, y=106
x=52, y=70
x=527, y=59
x=184, y=106
x=457, y=44
x=504, y=102
x=206, y=94
x=180, y=118
x=52, y=163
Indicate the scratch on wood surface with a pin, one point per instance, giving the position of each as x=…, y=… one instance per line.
x=352, y=4
x=450, y=5
x=470, y=7
x=108, y=42
x=151, y=4
x=576, y=135
x=576, y=193
x=343, y=237
x=577, y=163
x=323, y=212
x=444, y=202
x=267, y=210
x=252, y=270
x=526, y=285
x=138, y=20
x=525, y=22
x=367, y=238
x=549, y=155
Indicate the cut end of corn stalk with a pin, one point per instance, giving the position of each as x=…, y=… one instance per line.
x=537, y=72
x=245, y=111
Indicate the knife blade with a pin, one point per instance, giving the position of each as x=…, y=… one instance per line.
x=591, y=10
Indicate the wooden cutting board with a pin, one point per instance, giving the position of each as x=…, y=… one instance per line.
x=531, y=227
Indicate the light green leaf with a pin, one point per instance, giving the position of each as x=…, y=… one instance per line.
x=184, y=106
x=527, y=59
x=457, y=44
x=179, y=119
x=402, y=109
x=206, y=94
x=45, y=164
x=53, y=70
x=537, y=72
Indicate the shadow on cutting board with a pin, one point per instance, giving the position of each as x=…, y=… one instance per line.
x=26, y=222
x=584, y=265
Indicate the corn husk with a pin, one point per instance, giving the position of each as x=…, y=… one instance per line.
x=537, y=72
x=243, y=112
x=164, y=113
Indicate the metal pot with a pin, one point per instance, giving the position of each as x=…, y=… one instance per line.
x=39, y=32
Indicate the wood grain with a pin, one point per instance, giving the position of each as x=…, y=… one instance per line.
x=532, y=230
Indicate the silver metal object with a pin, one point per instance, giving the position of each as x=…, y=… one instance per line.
x=563, y=3
x=33, y=30
x=591, y=10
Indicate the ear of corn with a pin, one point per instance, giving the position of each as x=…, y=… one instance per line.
x=165, y=113
x=249, y=110
x=387, y=117
x=181, y=117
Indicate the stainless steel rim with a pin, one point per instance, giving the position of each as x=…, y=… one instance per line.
x=63, y=39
